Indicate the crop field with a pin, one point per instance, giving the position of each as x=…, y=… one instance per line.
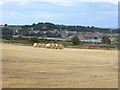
x=30, y=67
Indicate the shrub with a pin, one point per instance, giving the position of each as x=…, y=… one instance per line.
x=75, y=40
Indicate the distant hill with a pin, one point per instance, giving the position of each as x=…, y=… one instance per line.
x=47, y=26
x=51, y=26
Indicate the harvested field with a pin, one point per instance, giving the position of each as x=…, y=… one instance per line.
x=27, y=66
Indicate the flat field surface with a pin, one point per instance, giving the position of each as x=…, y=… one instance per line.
x=30, y=67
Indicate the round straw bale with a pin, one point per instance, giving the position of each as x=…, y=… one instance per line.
x=43, y=45
x=61, y=46
x=35, y=45
x=52, y=45
x=48, y=45
x=56, y=46
x=40, y=45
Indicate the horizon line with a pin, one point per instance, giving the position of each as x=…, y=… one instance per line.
x=60, y=24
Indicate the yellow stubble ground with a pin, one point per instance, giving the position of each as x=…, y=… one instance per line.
x=30, y=67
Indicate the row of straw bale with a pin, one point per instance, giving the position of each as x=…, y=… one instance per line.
x=49, y=45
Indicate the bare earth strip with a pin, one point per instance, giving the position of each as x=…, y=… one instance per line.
x=29, y=67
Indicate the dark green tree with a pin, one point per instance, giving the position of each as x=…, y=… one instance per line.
x=106, y=40
x=33, y=24
x=5, y=25
x=75, y=40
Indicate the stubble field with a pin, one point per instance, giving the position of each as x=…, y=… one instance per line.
x=30, y=67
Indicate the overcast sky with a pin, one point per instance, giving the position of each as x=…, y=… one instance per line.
x=69, y=12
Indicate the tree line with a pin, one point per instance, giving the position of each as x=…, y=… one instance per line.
x=24, y=29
